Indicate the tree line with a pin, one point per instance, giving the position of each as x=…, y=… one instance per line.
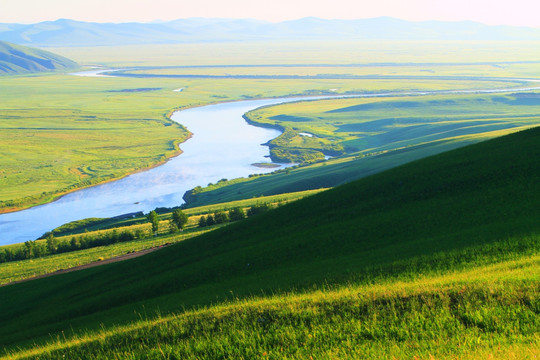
x=36, y=249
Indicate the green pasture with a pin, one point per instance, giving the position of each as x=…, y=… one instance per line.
x=373, y=135
x=479, y=71
x=61, y=132
x=403, y=263
x=372, y=125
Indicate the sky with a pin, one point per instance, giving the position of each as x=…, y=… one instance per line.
x=491, y=12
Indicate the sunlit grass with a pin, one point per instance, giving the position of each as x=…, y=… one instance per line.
x=486, y=312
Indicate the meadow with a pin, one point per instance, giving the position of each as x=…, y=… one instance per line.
x=61, y=133
x=403, y=263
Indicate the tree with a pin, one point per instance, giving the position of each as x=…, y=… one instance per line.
x=236, y=214
x=52, y=245
x=202, y=221
x=220, y=217
x=258, y=209
x=154, y=220
x=172, y=226
x=210, y=220
x=180, y=219
x=28, y=249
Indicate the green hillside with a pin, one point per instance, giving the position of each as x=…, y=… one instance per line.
x=374, y=135
x=16, y=59
x=444, y=218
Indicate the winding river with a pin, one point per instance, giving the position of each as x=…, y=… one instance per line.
x=208, y=156
x=223, y=145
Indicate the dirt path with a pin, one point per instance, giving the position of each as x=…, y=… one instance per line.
x=92, y=264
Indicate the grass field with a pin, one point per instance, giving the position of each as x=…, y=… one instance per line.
x=73, y=132
x=473, y=314
x=441, y=262
x=19, y=270
x=61, y=133
x=373, y=135
x=437, y=258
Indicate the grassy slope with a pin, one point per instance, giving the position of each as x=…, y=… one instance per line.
x=16, y=59
x=487, y=312
x=415, y=126
x=470, y=206
x=18, y=270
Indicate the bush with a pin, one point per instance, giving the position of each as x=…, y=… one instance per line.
x=258, y=209
x=236, y=214
x=202, y=221
x=220, y=217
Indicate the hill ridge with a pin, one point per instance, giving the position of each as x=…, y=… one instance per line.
x=17, y=59
x=66, y=32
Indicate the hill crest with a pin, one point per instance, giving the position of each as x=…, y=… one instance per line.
x=17, y=59
x=66, y=32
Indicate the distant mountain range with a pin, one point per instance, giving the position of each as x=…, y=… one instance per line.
x=17, y=59
x=65, y=32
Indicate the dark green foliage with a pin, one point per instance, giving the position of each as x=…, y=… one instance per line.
x=51, y=244
x=290, y=147
x=153, y=218
x=173, y=228
x=180, y=219
x=284, y=155
x=236, y=214
x=258, y=209
x=202, y=221
x=221, y=217
x=210, y=220
x=470, y=206
x=34, y=249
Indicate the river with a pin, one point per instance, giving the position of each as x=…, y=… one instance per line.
x=223, y=145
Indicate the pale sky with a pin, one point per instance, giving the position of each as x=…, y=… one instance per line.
x=492, y=12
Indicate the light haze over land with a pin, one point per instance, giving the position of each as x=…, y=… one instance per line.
x=497, y=12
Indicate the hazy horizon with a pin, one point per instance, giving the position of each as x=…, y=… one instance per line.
x=518, y=13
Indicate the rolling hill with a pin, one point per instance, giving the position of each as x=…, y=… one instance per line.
x=65, y=32
x=16, y=59
x=448, y=215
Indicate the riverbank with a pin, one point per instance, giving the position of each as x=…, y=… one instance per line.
x=57, y=196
